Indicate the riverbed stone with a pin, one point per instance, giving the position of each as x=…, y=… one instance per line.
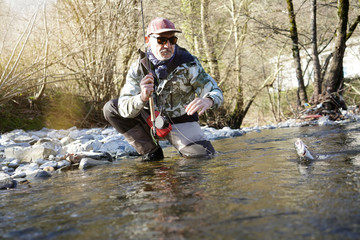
x=14, y=163
x=39, y=174
x=66, y=140
x=62, y=163
x=23, y=138
x=19, y=175
x=52, y=164
x=29, y=153
x=86, y=163
x=19, y=153
x=49, y=169
x=6, y=181
x=28, y=169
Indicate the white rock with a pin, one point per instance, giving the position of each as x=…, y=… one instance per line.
x=66, y=140
x=113, y=146
x=27, y=169
x=86, y=163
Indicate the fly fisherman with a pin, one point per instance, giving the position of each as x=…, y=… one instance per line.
x=180, y=88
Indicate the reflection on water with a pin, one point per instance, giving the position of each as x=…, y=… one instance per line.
x=254, y=189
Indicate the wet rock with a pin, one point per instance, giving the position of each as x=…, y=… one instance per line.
x=6, y=181
x=7, y=169
x=325, y=120
x=40, y=161
x=19, y=175
x=28, y=169
x=63, y=163
x=14, y=163
x=51, y=164
x=39, y=174
x=98, y=155
x=86, y=163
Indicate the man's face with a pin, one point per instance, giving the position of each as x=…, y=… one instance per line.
x=161, y=51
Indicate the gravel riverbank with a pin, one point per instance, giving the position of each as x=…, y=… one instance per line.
x=30, y=155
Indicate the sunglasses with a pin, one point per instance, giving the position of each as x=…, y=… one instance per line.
x=163, y=40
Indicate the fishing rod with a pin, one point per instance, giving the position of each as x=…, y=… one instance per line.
x=151, y=99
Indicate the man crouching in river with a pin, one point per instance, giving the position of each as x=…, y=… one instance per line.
x=182, y=91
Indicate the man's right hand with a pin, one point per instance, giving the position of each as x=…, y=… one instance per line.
x=146, y=87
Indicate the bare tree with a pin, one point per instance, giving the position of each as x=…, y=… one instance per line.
x=334, y=79
x=40, y=89
x=99, y=39
x=315, y=55
x=15, y=79
x=301, y=93
x=208, y=41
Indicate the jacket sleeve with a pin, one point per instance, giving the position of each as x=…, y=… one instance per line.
x=130, y=103
x=205, y=85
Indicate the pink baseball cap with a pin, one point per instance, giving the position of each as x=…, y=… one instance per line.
x=161, y=25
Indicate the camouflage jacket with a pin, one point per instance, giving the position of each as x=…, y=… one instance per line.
x=186, y=80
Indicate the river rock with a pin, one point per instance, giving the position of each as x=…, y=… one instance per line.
x=40, y=134
x=113, y=146
x=6, y=181
x=63, y=163
x=39, y=174
x=51, y=164
x=86, y=163
x=23, y=138
x=14, y=163
x=19, y=153
x=28, y=169
x=80, y=146
x=66, y=140
x=49, y=169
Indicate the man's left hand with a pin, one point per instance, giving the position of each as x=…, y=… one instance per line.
x=199, y=105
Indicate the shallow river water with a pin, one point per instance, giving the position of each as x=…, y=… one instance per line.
x=255, y=188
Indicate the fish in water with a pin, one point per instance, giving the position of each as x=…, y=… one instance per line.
x=302, y=151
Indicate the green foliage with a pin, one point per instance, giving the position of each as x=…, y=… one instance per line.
x=18, y=116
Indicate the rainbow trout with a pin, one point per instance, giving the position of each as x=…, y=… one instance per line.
x=302, y=151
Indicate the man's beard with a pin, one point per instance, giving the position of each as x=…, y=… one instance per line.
x=164, y=52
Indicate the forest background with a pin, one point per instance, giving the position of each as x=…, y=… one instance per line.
x=62, y=60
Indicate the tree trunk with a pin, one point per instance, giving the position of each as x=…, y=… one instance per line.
x=208, y=41
x=301, y=93
x=334, y=78
x=315, y=56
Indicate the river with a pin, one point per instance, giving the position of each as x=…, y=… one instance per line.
x=255, y=188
